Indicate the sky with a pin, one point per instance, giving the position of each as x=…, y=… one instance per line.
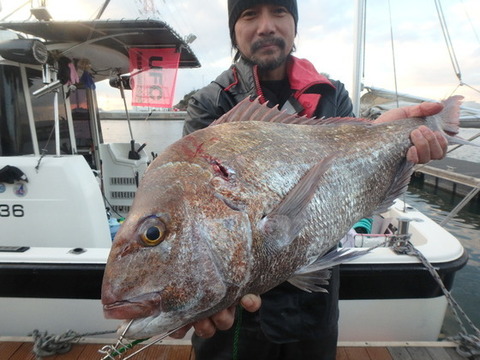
x=326, y=32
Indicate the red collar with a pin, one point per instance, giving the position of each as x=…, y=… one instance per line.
x=302, y=74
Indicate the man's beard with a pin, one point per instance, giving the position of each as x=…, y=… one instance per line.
x=267, y=64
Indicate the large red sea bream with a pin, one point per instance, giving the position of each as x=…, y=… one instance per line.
x=254, y=200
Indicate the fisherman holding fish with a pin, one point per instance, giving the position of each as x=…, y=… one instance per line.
x=258, y=202
x=290, y=323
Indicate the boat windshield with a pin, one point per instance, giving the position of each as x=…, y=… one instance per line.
x=43, y=113
x=15, y=134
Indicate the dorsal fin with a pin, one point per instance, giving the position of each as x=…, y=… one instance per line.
x=248, y=110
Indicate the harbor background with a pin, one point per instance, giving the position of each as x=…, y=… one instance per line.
x=433, y=202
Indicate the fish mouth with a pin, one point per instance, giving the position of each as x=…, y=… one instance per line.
x=138, y=307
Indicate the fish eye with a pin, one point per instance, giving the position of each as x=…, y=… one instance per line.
x=154, y=235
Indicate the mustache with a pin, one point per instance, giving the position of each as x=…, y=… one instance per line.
x=257, y=45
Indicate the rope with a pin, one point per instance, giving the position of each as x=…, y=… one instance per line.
x=44, y=150
x=450, y=48
x=49, y=345
x=468, y=344
x=448, y=40
x=470, y=87
x=470, y=21
x=14, y=11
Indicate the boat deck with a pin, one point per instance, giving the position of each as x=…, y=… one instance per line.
x=10, y=350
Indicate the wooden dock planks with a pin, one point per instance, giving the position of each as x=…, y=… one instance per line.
x=11, y=350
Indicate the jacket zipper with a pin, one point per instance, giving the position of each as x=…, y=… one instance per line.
x=257, y=85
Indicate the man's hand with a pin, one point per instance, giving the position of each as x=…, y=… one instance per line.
x=222, y=320
x=427, y=145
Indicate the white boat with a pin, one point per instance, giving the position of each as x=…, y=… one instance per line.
x=387, y=296
x=59, y=183
x=54, y=206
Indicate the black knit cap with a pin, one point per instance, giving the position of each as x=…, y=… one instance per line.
x=236, y=7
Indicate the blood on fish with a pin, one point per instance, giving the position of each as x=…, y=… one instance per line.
x=220, y=169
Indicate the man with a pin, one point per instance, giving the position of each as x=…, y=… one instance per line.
x=290, y=324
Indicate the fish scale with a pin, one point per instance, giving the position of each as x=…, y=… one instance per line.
x=243, y=205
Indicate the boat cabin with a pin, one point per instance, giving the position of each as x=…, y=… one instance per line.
x=60, y=184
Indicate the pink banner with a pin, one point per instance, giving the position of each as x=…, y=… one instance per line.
x=153, y=76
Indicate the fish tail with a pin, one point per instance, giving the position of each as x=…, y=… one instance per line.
x=448, y=120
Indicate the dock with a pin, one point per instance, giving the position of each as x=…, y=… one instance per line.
x=21, y=350
x=457, y=176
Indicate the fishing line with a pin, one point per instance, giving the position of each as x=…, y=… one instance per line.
x=156, y=341
x=111, y=352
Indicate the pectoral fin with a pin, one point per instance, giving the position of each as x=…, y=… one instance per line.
x=286, y=221
x=311, y=277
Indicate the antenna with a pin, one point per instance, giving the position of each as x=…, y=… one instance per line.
x=41, y=12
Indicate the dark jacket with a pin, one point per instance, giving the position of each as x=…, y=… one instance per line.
x=287, y=313
x=315, y=95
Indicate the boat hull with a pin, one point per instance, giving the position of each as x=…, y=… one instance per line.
x=391, y=320
x=394, y=302
x=384, y=296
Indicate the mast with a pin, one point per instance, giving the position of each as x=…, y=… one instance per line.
x=102, y=9
x=359, y=50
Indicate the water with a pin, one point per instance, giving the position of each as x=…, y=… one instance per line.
x=466, y=152
x=436, y=204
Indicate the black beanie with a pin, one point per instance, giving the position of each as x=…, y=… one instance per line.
x=236, y=7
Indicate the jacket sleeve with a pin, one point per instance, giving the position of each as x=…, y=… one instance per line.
x=335, y=101
x=202, y=109
x=208, y=104
x=344, y=103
